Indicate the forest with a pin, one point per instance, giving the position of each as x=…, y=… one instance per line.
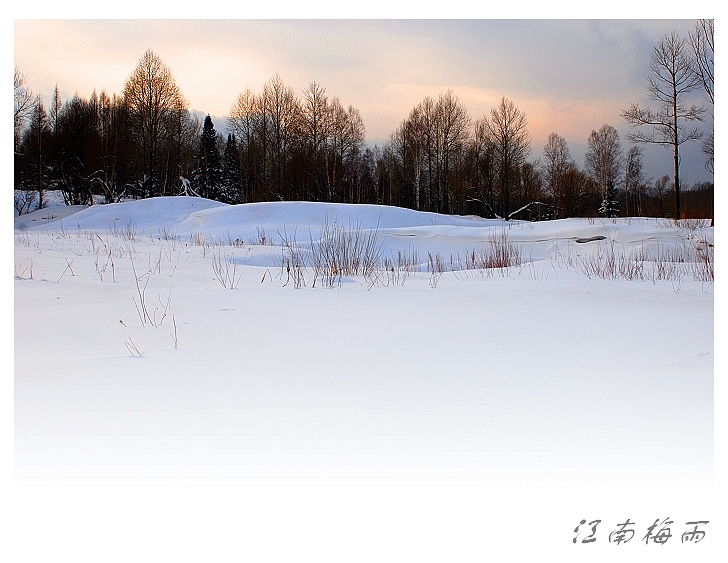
x=284, y=146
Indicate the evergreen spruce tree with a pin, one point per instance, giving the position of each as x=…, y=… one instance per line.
x=207, y=176
x=232, y=185
x=610, y=205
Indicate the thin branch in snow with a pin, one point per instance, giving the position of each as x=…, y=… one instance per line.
x=68, y=267
x=173, y=333
x=133, y=350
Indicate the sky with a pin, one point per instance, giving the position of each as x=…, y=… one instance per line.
x=568, y=76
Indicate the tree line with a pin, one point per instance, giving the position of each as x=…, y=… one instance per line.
x=145, y=142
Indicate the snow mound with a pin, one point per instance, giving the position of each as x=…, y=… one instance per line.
x=398, y=229
x=185, y=215
x=139, y=214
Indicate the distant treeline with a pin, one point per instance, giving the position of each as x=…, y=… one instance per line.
x=145, y=142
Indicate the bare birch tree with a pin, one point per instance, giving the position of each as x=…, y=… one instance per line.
x=512, y=143
x=153, y=99
x=633, y=180
x=557, y=160
x=701, y=40
x=282, y=111
x=244, y=120
x=672, y=76
x=603, y=163
x=603, y=158
x=454, y=124
x=24, y=105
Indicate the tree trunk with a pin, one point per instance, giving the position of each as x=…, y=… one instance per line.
x=677, y=183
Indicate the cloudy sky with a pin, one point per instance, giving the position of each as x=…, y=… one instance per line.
x=568, y=76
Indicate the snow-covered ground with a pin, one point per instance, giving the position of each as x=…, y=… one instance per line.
x=174, y=340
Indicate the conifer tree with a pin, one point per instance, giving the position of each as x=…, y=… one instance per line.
x=207, y=176
x=232, y=186
x=610, y=205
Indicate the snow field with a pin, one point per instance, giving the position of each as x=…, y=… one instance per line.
x=160, y=340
